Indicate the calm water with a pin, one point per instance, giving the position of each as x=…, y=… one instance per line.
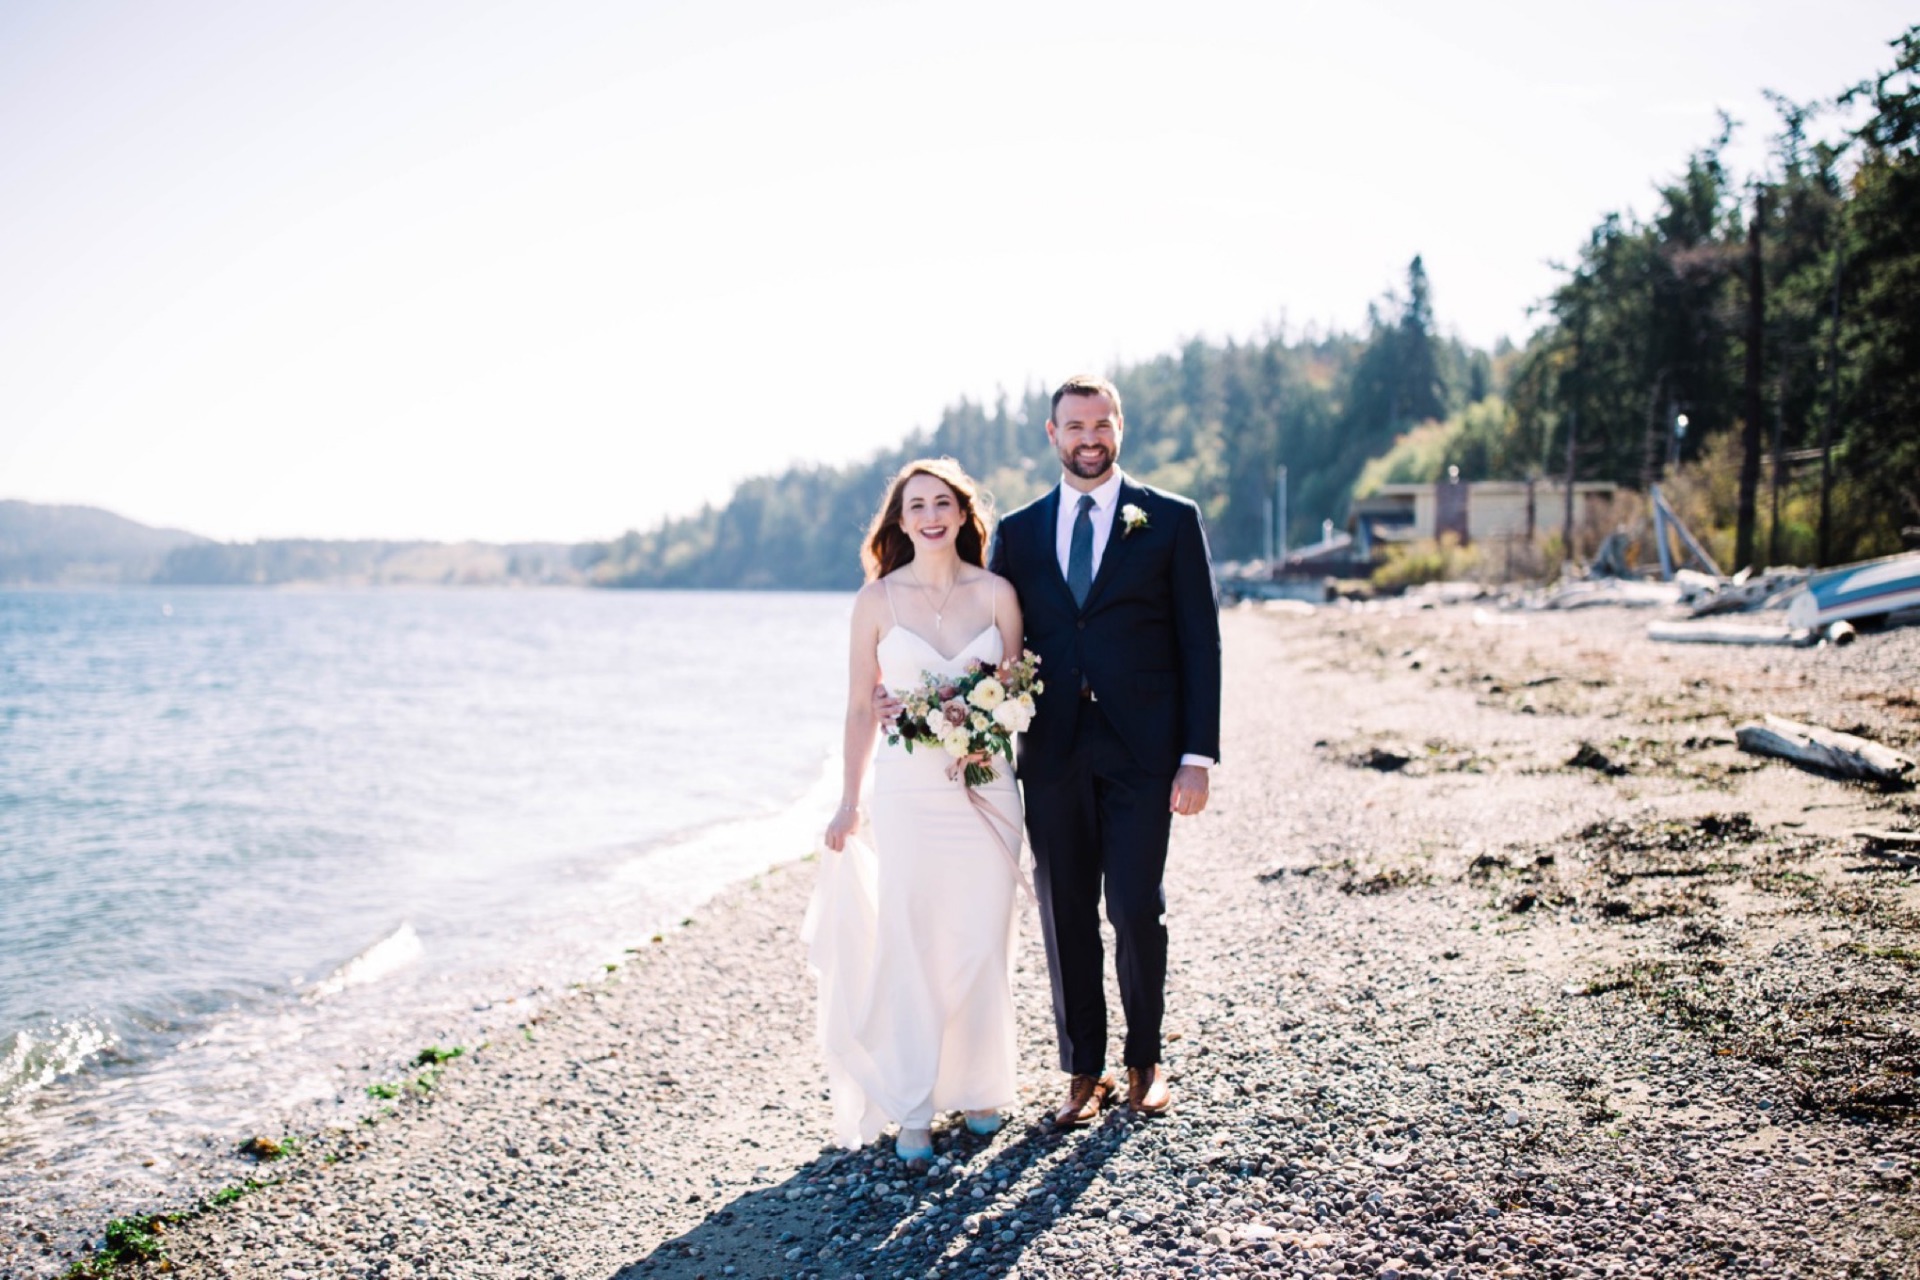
x=316, y=828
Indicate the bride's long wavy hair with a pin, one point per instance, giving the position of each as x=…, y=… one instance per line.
x=888, y=547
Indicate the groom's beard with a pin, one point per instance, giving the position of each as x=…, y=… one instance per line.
x=1088, y=468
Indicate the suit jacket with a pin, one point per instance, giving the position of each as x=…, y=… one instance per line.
x=1147, y=641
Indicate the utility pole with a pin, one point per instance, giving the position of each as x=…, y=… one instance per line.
x=1744, y=522
x=1573, y=431
x=1774, y=551
x=1823, y=551
x=1280, y=515
x=1566, y=519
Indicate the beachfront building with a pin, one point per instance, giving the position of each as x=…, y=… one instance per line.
x=1475, y=511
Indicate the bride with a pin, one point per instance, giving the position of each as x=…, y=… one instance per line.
x=912, y=936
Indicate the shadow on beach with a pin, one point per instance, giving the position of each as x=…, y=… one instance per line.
x=862, y=1212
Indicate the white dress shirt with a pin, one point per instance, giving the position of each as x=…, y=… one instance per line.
x=1106, y=501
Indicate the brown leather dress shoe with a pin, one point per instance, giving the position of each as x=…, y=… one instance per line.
x=1147, y=1091
x=1085, y=1097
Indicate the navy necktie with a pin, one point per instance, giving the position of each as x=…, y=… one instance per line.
x=1080, y=552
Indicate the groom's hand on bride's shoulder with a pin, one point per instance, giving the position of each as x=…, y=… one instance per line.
x=1189, y=790
x=886, y=707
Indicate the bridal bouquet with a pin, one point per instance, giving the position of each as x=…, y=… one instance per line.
x=972, y=716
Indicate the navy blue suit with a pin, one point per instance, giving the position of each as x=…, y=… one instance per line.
x=1098, y=772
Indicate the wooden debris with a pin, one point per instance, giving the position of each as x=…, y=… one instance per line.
x=1663, y=520
x=1902, y=848
x=1591, y=757
x=1722, y=633
x=1612, y=591
x=1891, y=839
x=1827, y=750
x=1754, y=592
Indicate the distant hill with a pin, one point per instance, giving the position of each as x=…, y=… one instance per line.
x=73, y=546
x=282, y=561
x=85, y=546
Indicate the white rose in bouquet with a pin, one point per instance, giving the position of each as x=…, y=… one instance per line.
x=1015, y=714
x=955, y=744
x=988, y=694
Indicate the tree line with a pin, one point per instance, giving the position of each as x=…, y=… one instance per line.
x=1755, y=338
x=1214, y=421
x=1766, y=328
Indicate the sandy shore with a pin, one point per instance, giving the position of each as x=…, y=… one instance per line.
x=1447, y=1003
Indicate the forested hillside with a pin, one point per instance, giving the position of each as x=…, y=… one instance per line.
x=1213, y=421
x=370, y=562
x=44, y=544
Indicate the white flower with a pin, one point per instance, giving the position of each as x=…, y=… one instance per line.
x=979, y=721
x=955, y=744
x=1015, y=714
x=1133, y=518
x=988, y=694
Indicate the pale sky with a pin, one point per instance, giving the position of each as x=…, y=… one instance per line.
x=453, y=269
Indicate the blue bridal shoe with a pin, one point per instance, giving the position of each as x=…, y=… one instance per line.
x=983, y=1123
x=914, y=1144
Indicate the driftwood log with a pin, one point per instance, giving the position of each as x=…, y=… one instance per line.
x=1908, y=840
x=1840, y=753
x=1902, y=848
x=1722, y=633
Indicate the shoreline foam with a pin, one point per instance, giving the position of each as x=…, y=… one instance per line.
x=191, y=1155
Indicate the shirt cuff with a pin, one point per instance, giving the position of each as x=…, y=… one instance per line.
x=1205, y=762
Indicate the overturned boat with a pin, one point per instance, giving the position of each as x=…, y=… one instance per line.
x=1862, y=590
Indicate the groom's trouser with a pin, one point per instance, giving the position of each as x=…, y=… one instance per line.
x=1102, y=819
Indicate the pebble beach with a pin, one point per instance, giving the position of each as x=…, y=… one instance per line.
x=1492, y=955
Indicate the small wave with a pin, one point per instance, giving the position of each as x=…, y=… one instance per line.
x=31, y=1060
x=685, y=871
x=392, y=953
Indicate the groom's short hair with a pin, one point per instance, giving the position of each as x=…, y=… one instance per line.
x=1086, y=384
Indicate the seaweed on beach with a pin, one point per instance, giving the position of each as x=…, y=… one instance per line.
x=128, y=1242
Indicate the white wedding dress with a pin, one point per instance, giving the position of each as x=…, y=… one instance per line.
x=912, y=936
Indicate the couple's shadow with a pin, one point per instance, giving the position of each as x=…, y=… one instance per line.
x=885, y=1219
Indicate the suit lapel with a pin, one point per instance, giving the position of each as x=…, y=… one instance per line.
x=1116, y=541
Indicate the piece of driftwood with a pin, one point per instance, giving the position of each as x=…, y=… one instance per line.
x=1825, y=749
x=1721, y=633
x=1612, y=591
x=1663, y=520
x=1902, y=848
x=1755, y=592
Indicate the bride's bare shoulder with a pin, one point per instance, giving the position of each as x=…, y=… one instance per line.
x=871, y=596
x=1003, y=592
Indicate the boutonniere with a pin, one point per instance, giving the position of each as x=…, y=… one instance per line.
x=1132, y=520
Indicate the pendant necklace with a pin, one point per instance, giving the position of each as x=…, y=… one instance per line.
x=939, y=610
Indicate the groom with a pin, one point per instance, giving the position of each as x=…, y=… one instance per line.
x=1117, y=590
